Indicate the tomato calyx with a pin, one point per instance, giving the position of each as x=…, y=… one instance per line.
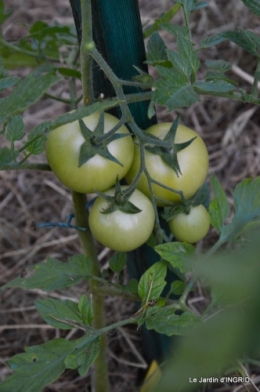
x=96, y=142
x=169, y=154
x=119, y=201
x=202, y=196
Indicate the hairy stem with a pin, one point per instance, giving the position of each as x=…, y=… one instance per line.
x=100, y=382
x=81, y=216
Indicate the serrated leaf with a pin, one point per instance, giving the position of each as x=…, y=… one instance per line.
x=41, y=365
x=213, y=86
x=83, y=359
x=117, y=262
x=54, y=274
x=26, y=93
x=214, y=76
x=8, y=82
x=156, y=49
x=246, y=39
x=219, y=65
x=7, y=156
x=219, y=208
x=187, y=5
x=177, y=254
x=15, y=129
x=253, y=5
x=247, y=208
x=152, y=282
x=199, y=5
x=69, y=72
x=175, y=29
x=85, y=309
x=166, y=322
x=187, y=52
x=172, y=90
x=213, y=40
x=62, y=314
x=184, y=97
x=37, y=137
x=178, y=287
x=166, y=17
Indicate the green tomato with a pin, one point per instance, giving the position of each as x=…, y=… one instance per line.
x=120, y=231
x=190, y=227
x=193, y=161
x=98, y=173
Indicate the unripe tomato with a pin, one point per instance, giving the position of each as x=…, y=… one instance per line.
x=121, y=231
x=98, y=173
x=190, y=227
x=193, y=161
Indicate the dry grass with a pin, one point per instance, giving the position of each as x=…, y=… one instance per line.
x=231, y=131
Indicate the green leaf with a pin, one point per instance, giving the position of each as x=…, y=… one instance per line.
x=62, y=314
x=3, y=14
x=152, y=282
x=117, y=262
x=8, y=82
x=219, y=207
x=247, y=208
x=83, y=359
x=253, y=5
x=15, y=129
x=175, y=29
x=219, y=65
x=166, y=322
x=213, y=40
x=213, y=87
x=7, y=156
x=177, y=254
x=166, y=17
x=178, y=287
x=69, y=72
x=41, y=365
x=199, y=5
x=85, y=309
x=244, y=38
x=54, y=274
x=187, y=52
x=183, y=97
x=37, y=137
x=156, y=49
x=172, y=90
x=25, y=94
x=187, y=5
x=214, y=76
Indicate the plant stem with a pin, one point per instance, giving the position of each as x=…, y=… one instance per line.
x=85, y=58
x=81, y=217
x=100, y=382
x=27, y=166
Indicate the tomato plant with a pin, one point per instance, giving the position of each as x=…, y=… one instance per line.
x=99, y=173
x=171, y=161
x=191, y=227
x=119, y=230
x=193, y=163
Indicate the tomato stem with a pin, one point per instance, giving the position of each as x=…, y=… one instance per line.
x=100, y=380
